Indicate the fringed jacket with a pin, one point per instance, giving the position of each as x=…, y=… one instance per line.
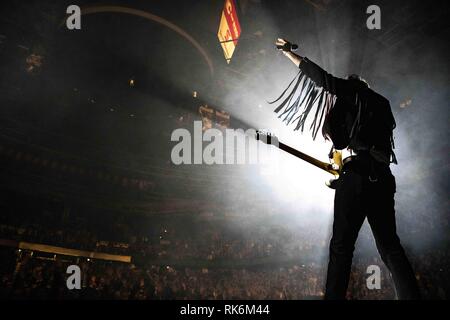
x=351, y=114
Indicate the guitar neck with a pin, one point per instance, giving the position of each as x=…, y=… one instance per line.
x=319, y=164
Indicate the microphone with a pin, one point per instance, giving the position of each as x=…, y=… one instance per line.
x=288, y=47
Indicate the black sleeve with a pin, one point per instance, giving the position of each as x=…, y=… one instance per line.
x=320, y=77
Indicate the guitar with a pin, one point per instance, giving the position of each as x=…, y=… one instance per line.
x=333, y=168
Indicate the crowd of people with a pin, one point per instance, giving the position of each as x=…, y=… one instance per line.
x=35, y=277
x=189, y=257
x=41, y=278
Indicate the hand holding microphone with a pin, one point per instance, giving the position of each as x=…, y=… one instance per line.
x=285, y=46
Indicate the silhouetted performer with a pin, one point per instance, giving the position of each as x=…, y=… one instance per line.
x=360, y=121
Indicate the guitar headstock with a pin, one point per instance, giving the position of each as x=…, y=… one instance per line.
x=266, y=137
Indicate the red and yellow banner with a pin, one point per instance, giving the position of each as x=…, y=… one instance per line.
x=229, y=29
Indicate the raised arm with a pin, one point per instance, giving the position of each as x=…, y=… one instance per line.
x=311, y=70
x=296, y=59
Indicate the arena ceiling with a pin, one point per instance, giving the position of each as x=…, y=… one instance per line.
x=81, y=88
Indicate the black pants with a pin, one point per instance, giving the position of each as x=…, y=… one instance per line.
x=356, y=198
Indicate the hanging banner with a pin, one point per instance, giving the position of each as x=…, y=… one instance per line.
x=229, y=29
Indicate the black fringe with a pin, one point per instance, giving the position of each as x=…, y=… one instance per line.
x=307, y=96
x=393, y=157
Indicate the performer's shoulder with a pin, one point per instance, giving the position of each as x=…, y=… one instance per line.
x=380, y=98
